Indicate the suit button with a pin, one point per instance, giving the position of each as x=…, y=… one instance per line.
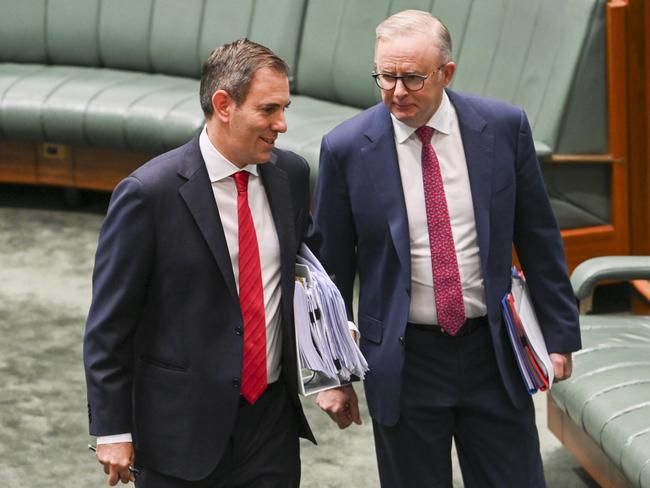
x=236, y=382
x=401, y=341
x=238, y=331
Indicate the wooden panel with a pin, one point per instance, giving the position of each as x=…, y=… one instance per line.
x=638, y=74
x=102, y=169
x=589, y=454
x=54, y=164
x=618, y=102
x=588, y=242
x=17, y=162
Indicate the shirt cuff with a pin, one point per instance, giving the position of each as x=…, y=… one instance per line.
x=354, y=330
x=114, y=439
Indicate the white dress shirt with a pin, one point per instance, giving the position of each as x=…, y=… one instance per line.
x=448, y=145
x=220, y=171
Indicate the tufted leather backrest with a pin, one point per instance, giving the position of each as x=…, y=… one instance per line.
x=162, y=36
x=546, y=56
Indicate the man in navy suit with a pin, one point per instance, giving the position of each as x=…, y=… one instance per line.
x=189, y=348
x=424, y=196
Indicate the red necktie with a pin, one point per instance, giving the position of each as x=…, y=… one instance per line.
x=446, y=278
x=251, y=297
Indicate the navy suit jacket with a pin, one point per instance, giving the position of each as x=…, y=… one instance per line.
x=361, y=214
x=163, y=343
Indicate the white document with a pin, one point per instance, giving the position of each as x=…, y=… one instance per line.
x=526, y=312
x=326, y=352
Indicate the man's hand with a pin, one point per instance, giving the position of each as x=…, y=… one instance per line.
x=116, y=459
x=562, y=365
x=341, y=405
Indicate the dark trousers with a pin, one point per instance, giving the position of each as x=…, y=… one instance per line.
x=451, y=388
x=263, y=451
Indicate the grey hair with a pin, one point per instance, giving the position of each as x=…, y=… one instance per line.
x=231, y=67
x=409, y=22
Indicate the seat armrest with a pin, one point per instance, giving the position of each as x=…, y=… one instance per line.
x=592, y=271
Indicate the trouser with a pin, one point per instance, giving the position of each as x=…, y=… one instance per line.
x=451, y=389
x=263, y=451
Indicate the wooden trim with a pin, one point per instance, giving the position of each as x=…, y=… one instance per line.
x=641, y=297
x=584, y=158
x=17, y=162
x=589, y=454
x=638, y=73
x=618, y=101
x=102, y=169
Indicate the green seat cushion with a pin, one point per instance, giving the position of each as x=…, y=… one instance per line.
x=609, y=391
x=308, y=119
x=100, y=107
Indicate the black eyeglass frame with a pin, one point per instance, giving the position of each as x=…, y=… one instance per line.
x=395, y=78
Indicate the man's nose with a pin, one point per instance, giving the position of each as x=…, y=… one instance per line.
x=400, y=90
x=280, y=123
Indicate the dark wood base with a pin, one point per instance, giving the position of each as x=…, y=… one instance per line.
x=62, y=165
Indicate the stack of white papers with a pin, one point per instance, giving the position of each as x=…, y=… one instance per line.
x=327, y=354
x=526, y=336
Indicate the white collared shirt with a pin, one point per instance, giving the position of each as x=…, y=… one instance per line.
x=448, y=145
x=220, y=172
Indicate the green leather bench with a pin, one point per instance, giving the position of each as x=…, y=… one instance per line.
x=122, y=74
x=608, y=396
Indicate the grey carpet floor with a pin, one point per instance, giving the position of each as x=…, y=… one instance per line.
x=45, y=267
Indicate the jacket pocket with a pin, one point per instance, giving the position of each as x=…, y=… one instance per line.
x=371, y=329
x=159, y=363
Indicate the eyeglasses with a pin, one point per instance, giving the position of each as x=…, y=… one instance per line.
x=411, y=82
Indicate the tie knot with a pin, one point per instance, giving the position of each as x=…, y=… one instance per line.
x=241, y=181
x=425, y=133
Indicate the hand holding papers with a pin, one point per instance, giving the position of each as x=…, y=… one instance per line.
x=327, y=354
x=526, y=336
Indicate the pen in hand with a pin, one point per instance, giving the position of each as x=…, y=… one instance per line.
x=133, y=470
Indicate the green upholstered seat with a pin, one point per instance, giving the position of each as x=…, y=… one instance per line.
x=608, y=394
x=97, y=107
x=122, y=73
x=609, y=391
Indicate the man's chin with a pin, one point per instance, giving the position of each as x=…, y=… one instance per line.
x=403, y=115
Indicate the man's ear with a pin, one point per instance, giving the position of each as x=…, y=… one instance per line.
x=222, y=105
x=448, y=71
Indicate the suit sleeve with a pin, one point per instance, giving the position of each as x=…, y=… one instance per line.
x=335, y=223
x=539, y=248
x=122, y=267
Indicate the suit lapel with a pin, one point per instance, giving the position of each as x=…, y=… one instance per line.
x=380, y=158
x=199, y=198
x=479, y=147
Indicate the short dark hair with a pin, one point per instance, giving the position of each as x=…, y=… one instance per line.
x=231, y=67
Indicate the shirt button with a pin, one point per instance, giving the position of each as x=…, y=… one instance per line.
x=401, y=340
x=236, y=382
x=238, y=331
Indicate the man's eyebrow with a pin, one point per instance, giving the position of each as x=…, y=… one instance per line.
x=274, y=105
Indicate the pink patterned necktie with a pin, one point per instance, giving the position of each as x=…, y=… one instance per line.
x=446, y=278
x=251, y=298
